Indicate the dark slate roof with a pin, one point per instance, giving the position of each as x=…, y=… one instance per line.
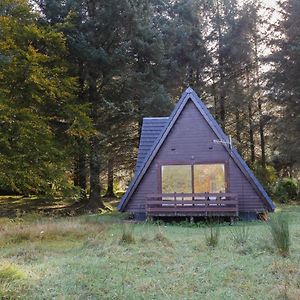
x=151, y=129
x=189, y=94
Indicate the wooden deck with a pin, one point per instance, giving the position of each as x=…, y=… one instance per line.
x=207, y=204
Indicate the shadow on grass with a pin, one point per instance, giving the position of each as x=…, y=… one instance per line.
x=17, y=206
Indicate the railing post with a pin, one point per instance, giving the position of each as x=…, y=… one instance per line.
x=146, y=205
x=237, y=205
x=175, y=204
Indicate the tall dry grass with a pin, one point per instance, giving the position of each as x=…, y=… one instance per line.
x=240, y=233
x=127, y=235
x=279, y=227
x=49, y=230
x=212, y=234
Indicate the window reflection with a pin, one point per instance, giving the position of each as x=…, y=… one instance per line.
x=209, y=178
x=176, y=179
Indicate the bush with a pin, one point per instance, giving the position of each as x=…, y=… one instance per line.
x=279, y=228
x=212, y=235
x=286, y=190
x=267, y=176
x=240, y=234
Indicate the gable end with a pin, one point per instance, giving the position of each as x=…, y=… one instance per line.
x=189, y=94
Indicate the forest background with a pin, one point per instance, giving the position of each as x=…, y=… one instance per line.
x=78, y=76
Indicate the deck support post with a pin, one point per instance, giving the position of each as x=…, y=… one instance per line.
x=149, y=219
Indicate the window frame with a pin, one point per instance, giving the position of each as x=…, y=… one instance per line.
x=192, y=164
x=178, y=164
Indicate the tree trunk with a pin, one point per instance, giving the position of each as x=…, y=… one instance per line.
x=238, y=128
x=80, y=174
x=110, y=179
x=215, y=96
x=95, y=200
x=262, y=135
x=76, y=172
x=251, y=134
x=259, y=101
x=250, y=119
x=221, y=68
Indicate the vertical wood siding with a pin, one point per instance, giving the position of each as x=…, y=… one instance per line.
x=191, y=141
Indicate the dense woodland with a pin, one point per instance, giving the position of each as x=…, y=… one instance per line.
x=78, y=76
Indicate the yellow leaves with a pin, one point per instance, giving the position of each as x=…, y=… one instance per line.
x=35, y=91
x=55, y=41
x=34, y=56
x=5, y=21
x=6, y=45
x=6, y=37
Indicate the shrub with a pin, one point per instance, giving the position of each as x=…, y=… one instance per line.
x=286, y=190
x=279, y=228
x=127, y=236
x=267, y=176
x=212, y=235
x=240, y=234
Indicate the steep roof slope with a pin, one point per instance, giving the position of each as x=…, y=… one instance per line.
x=151, y=129
x=189, y=94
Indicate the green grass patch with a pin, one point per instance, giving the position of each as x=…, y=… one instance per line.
x=10, y=273
x=11, y=284
x=83, y=258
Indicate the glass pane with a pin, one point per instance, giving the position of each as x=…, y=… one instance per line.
x=209, y=178
x=176, y=178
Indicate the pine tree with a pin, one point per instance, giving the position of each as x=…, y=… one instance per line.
x=284, y=83
x=119, y=62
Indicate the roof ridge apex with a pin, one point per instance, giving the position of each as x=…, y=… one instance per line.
x=189, y=90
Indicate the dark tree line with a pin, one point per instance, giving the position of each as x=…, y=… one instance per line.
x=78, y=76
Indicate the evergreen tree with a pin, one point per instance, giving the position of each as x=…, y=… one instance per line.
x=119, y=61
x=284, y=85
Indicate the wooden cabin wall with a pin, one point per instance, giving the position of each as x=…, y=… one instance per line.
x=191, y=141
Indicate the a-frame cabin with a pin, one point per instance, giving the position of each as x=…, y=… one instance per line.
x=186, y=166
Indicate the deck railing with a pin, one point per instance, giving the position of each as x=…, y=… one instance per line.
x=202, y=204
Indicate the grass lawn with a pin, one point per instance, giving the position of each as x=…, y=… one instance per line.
x=85, y=258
